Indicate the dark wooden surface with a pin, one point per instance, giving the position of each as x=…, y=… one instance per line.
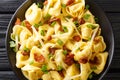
x=112, y=10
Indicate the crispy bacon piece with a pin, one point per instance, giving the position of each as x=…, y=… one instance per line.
x=94, y=61
x=19, y=45
x=61, y=73
x=61, y=29
x=77, y=38
x=46, y=2
x=18, y=22
x=83, y=60
x=24, y=53
x=70, y=2
x=49, y=38
x=69, y=60
x=81, y=21
x=96, y=40
x=74, y=19
x=65, y=48
x=52, y=50
x=54, y=19
x=28, y=25
x=39, y=58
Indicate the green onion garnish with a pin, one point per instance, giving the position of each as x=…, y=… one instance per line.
x=60, y=42
x=44, y=69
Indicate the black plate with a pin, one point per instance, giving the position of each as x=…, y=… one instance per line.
x=106, y=29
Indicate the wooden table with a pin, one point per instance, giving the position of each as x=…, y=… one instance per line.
x=112, y=10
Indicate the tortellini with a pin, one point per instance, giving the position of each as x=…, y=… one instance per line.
x=59, y=41
x=33, y=14
x=87, y=30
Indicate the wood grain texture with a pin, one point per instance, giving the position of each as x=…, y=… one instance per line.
x=112, y=10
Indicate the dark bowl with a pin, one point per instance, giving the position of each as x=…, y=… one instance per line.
x=106, y=29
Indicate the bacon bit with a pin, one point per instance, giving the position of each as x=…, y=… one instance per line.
x=52, y=50
x=24, y=53
x=39, y=58
x=77, y=38
x=28, y=25
x=61, y=73
x=74, y=19
x=65, y=48
x=70, y=2
x=69, y=60
x=81, y=21
x=95, y=61
x=19, y=45
x=18, y=22
x=61, y=29
x=83, y=60
x=97, y=40
x=46, y=2
x=54, y=19
x=49, y=38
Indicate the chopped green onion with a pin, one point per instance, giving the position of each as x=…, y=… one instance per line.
x=44, y=69
x=42, y=32
x=31, y=62
x=69, y=16
x=40, y=5
x=23, y=23
x=61, y=32
x=40, y=23
x=65, y=29
x=94, y=68
x=50, y=55
x=91, y=26
x=59, y=68
x=26, y=49
x=47, y=17
x=87, y=7
x=12, y=44
x=86, y=16
x=60, y=42
x=36, y=25
x=76, y=23
x=65, y=52
x=53, y=23
x=39, y=45
x=96, y=19
x=63, y=5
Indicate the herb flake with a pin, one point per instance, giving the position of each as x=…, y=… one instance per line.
x=91, y=26
x=42, y=32
x=44, y=69
x=60, y=42
x=65, y=29
x=63, y=5
x=53, y=23
x=65, y=52
x=87, y=7
x=86, y=16
x=59, y=68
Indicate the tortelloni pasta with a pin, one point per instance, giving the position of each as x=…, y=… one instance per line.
x=59, y=41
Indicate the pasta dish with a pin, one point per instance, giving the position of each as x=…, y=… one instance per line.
x=59, y=40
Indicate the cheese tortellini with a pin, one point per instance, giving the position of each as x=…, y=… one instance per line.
x=59, y=41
